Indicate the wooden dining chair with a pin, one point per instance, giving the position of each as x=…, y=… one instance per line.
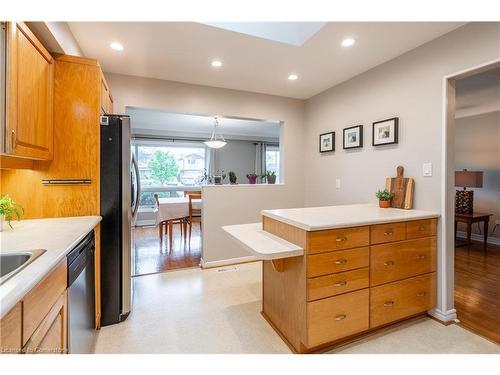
x=167, y=226
x=188, y=193
x=194, y=213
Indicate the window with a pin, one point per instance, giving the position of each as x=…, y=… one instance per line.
x=273, y=160
x=165, y=165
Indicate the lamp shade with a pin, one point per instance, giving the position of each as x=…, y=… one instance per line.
x=467, y=178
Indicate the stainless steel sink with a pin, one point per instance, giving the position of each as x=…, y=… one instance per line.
x=12, y=263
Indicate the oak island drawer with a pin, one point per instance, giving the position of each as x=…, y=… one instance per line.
x=39, y=301
x=402, y=299
x=400, y=260
x=389, y=232
x=421, y=228
x=333, y=318
x=337, y=239
x=337, y=261
x=338, y=283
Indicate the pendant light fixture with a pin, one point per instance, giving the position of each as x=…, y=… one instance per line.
x=216, y=140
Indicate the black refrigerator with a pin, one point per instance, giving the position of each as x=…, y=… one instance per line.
x=120, y=192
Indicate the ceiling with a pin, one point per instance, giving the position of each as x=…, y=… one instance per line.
x=183, y=51
x=478, y=94
x=158, y=122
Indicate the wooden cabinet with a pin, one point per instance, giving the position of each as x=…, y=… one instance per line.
x=349, y=281
x=11, y=331
x=29, y=99
x=38, y=324
x=106, y=98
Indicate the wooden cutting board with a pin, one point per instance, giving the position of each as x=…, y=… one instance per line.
x=402, y=188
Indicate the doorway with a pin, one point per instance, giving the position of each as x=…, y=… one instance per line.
x=472, y=197
x=175, y=162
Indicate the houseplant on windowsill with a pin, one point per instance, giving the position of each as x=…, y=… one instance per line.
x=232, y=177
x=252, y=178
x=384, y=198
x=269, y=176
x=9, y=210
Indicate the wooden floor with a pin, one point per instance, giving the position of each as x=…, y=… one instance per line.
x=150, y=258
x=477, y=289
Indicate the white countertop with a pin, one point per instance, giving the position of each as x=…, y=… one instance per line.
x=57, y=236
x=262, y=244
x=331, y=217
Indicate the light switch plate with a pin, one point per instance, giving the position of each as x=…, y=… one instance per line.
x=427, y=169
x=337, y=183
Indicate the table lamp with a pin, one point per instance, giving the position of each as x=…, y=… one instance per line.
x=464, y=199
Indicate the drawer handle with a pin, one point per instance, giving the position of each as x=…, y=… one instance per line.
x=389, y=304
x=341, y=283
x=341, y=261
x=388, y=232
x=421, y=257
x=421, y=227
x=389, y=263
x=341, y=239
x=421, y=294
x=341, y=317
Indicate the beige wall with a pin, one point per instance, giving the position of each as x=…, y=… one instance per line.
x=410, y=87
x=232, y=204
x=477, y=148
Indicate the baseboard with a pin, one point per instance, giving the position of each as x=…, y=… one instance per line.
x=227, y=262
x=444, y=316
x=479, y=237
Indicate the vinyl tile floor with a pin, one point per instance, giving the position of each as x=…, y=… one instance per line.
x=218, y=311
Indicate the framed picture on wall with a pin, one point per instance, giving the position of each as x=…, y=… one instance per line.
x=385, y=132
x=327, y=142
x=353, y=137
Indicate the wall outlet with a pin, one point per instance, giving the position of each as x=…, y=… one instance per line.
x=337, y=183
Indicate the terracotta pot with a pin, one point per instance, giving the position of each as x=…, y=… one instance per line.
x=384, y=204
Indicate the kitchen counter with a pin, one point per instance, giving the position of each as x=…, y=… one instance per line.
x=57, y=236
x=333, y=217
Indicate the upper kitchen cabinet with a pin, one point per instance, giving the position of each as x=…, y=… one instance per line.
x=29, y=95
x=106, y=98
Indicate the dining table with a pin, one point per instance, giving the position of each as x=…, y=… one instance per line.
x=174, y=208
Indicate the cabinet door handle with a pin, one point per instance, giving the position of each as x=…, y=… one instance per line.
x=388, y=232
x=341, y=261
x=341, y=317
x=389, y=263
x=341, y=239
x=341, y=283
x=421, y=294
x=14, y=140
x=389, y=304
x=421, y=257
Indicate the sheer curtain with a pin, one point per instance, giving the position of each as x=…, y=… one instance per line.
x=260, y=158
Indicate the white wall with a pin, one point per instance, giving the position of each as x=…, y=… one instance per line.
x=411, y=88
x=477, y=148
x=236, y=156
x=237, y=204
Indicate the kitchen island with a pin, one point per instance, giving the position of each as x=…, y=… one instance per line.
x=331, y=274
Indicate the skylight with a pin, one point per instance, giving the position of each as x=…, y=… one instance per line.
x=294, y=33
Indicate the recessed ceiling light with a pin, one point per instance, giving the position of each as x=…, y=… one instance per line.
x=216, y=63
x=116, y=46
x=293, y=77
x=348, y=42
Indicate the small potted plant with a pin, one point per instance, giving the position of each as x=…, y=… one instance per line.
x=9, y=210
x=384, y=198
x=232, y=177
x=270, y=176
x=252, y=178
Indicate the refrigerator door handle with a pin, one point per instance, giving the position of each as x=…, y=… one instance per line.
x=138, y=188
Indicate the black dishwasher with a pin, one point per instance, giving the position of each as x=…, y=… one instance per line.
x=81, y=297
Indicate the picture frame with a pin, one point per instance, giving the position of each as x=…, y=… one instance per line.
x=353, y=137
x=327, y=142
x=385, y=132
